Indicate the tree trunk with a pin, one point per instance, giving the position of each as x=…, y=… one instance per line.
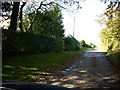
x=20, y=17
x=15, y=10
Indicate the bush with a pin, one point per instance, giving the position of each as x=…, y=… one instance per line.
x=70, y=44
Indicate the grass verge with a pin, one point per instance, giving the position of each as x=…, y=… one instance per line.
x=28, y=67
x=114, y=57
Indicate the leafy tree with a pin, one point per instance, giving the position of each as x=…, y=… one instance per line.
x=52, y=19
x=49, y=23
x=47, y=35
x=110, y=35
x=46, y=5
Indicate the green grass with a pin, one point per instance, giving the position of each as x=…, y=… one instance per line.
x=28, y=67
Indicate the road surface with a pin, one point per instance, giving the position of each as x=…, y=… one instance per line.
x=92, y=70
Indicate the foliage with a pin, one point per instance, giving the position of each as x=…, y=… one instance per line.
x=82, y=43
x=52, y=19
x=110, y=35
x=46, y=35
x=70, y=43
x=6, y=8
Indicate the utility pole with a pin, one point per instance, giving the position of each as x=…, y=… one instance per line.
x=73, y=25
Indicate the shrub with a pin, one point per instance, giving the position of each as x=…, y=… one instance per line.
x=70, y=43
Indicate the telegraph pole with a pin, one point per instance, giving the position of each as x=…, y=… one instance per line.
x=74, y=26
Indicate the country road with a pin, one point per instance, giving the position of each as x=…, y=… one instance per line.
x=92, y=70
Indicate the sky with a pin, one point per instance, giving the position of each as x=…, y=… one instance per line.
x=86, y=26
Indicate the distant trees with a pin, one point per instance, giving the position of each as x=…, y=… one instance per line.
x=92, y=45
x=84, y=44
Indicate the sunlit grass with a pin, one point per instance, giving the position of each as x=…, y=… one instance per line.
x=28, y=67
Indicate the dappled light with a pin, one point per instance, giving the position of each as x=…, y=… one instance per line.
x=80, y=80
x=20, y=73
x=28, y=67
x=91, y=73
x=82, y=71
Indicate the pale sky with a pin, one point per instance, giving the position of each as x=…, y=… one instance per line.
x=86, y=27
